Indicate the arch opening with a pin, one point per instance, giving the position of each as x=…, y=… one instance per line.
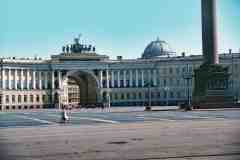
x=80, y=88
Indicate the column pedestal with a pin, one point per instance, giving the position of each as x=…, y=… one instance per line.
x=211, y=87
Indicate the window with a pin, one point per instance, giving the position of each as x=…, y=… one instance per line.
x=177, y=70
x=122, y=96
x=178, y=95
x=171, y=95
x=152, y=95
x=183, y=69
x=13, y=98
x=37, y=98
x=116, y=96
x=31, y=98
x=170, y=70
x=178, y=82
x=146, y=95
x=140, y=95
x=25, y=98
x=165, y=94
x=128, y=96
x=7, y=98
x=19, y=99
x=164, y=82
x=44, y=98
x=134, y=95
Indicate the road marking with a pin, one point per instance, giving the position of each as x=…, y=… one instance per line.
x=88, y=118
x=195, y=117
x=157, y=118
x=98, y=120
x=36, y=119
x=141, y=116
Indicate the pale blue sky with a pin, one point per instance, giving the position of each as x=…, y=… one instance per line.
x=116, y=27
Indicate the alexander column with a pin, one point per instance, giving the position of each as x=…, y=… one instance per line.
x=210, y=79
x=209, y=31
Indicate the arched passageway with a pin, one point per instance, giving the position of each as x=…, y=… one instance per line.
x=80, y=88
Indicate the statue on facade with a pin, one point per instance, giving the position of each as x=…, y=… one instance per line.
x=67, y=49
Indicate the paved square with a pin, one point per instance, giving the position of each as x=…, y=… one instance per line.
x=173, y=135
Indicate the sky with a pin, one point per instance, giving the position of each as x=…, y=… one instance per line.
x=40, y=28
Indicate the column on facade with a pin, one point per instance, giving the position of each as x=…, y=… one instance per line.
x=107, y=78
x=136, y=71
x=45, y=79
x=142, y=77
x=154, y=77
x=131, y=78
x=101, y=79
x=124, y=78
x=28, y=80
x=40, y=79
x=112, y=79
x=15, y=78
x=60, y=79
x=34, y=79
x=3, y=79
x=118, y=78
x=53, y=80
x=22, y=79
x=9, y=79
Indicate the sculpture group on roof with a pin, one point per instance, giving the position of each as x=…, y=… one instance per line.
x=78, y=47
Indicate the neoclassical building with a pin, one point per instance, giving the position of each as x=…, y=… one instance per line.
x=79, y=75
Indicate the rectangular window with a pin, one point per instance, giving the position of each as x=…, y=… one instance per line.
x=140, y=95
x=7, y=98
x=37, y=98
x=19, y=99
x=170, y=70
x=116, y=96
x=31, y=98
x=25, y=98
x=44, y=98
x=164, y=82
x=13, y=99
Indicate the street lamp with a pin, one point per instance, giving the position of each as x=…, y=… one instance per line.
x=166, y=89
x=188, y=76
x=150, y=84
x=148, y=107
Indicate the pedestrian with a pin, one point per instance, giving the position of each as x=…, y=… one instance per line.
x=64, y=116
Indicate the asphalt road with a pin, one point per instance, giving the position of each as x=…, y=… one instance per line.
x=52, y=117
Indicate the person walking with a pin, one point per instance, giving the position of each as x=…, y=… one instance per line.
x=64, y=116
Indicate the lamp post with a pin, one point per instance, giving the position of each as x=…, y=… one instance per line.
x=148, y=107
x=166, y=89
x=150, y=84
x=188, y=76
